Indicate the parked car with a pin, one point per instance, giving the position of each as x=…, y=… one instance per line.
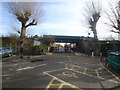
x=5, y=51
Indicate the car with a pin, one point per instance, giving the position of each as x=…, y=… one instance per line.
x=5, y=51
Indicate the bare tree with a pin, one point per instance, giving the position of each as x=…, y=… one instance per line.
x=48, y=40
x=27, y=13
x=92, y=15
x=15, y=29
x=113, y=16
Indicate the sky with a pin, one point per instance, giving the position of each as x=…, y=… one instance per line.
x=60, y=17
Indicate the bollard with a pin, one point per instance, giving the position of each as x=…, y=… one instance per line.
x=106, y=62
x=101, y=57
x=92, y=54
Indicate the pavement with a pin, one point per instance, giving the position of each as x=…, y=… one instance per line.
x=59, y=71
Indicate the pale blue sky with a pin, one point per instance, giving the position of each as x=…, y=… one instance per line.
x=59, y=18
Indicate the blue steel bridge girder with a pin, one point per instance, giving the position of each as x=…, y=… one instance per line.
x=65, y=39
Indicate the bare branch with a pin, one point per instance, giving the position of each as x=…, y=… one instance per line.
x=25, y=11
x=113, y=11
x=109, y=17
x=32, y=23
x=115, y=31
x=114, y=18
x=93, y=11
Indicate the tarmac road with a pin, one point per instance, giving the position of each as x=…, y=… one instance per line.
x=58, y=71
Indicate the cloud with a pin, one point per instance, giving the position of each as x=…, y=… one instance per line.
x=66, y=10
x=4, y=29
x=65, y=18
x=64, y=28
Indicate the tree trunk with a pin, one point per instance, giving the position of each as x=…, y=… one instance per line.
x=22, y=39
x=96, y=45
x=94, y=30
x=95, y=34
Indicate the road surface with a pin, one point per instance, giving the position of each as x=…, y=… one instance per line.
x=58, y=70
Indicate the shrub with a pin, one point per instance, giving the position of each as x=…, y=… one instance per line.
x=27, y=48
x=35, y=50
x=39, y=50
x=43, y=49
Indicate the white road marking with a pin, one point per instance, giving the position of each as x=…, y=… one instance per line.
x=63, y=62
x=61, y=80
x=25, y=68
x=41, y=65
x=5, y=75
